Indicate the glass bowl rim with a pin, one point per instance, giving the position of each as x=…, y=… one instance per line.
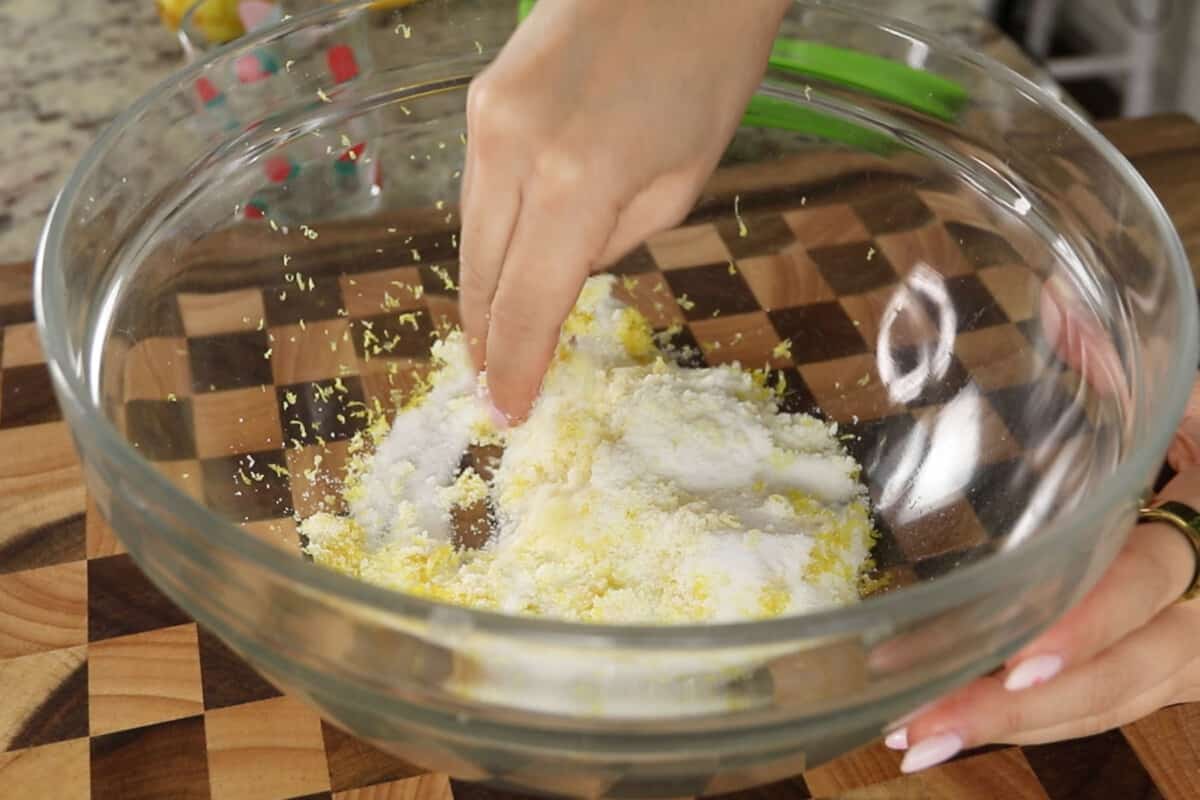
x=917, y=600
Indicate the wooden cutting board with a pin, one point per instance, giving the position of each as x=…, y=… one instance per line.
x=109, y=691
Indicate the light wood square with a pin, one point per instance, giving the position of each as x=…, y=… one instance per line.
x=21, y=345
x=281, y=533
x=930, y=246
x=185, y=474
x=823, y=226
x=316, y=475
x=749, y=339
x=848, y=388
x=895, y=310
x=689, y=246
x=29, y=681
x=433, y=786
x=383, y=291
x=144, y=678
x=269, y=748
x=999, y=357
x=1017, y=289
x=237, y=421
x=58, y=771
x=101, y=538
x=318, y=351
x=785, y=279
x=649, y=293
x=221, y=312
x=156, y=369
x=43, y=609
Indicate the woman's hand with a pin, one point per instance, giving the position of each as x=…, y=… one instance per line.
x=595, y=127
x=1127, y=649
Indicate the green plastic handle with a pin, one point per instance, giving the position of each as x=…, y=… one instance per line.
x=768, y=112
x=899, y=83
x=916, y=89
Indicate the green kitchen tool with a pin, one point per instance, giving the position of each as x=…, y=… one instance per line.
x=888, y=80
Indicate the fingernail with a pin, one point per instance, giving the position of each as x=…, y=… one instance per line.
x=1033, y=671
x=897, y=739
x=498, y=417
x=931, y=752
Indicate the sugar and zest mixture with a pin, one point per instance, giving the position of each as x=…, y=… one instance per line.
x=637, y=491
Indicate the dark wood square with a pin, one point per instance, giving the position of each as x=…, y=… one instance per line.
x=635, y=262
x=797, y=396
x=1038, y=413
x=818, y=332
x=284, y=303
x=791, y=789
x=853, y=268
x=681, y=346
x=230, y=361
x=893, y=212
x=950, y=528
x=470, y=790
x=27, y=397
x=932, y=388
x=973, y=304
x=434, y=282
x=161, y=430
x=165, y=760
x=374, y=335
x=765, y=234
x=56, y=542
x=62, y=714
x=983, y=248
x=1000, y=493
x=710, y=289
x=887, y=552
x=226, y=679
x=1101, y=767
x=229, y=495
x=122, y=600
x=930, y=568
x=876, y=444
x=16, y=313
x=148, y=314
x=320, y=411
x=354, y=763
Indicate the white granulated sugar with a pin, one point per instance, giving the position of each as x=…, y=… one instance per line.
x=637, y=491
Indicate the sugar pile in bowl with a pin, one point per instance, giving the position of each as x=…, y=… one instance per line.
x=637, y=491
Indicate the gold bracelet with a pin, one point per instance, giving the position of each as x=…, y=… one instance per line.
x=1186, y=520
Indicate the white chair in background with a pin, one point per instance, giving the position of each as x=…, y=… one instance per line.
x=1135, y=65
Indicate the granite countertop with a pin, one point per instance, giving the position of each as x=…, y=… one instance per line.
x=67, y=68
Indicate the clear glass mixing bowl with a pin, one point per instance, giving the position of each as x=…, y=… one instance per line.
x=231, y=239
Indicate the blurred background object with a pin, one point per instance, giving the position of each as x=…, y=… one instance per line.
x=1117, y=57
x=68, y=68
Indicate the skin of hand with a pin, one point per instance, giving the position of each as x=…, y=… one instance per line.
x=595, y=127
x=1126, y=650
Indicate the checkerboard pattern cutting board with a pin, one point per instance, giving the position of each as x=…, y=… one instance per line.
x=110, y=691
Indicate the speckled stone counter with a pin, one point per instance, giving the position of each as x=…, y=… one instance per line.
x=68, y=67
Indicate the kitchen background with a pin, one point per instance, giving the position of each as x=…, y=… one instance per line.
x=68, y=67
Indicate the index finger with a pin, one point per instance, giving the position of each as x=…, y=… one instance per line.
x=557, y=241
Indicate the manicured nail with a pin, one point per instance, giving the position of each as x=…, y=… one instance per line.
x=897, y=739
x=1033, y=671
x=931, y=752
x=499, y=419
